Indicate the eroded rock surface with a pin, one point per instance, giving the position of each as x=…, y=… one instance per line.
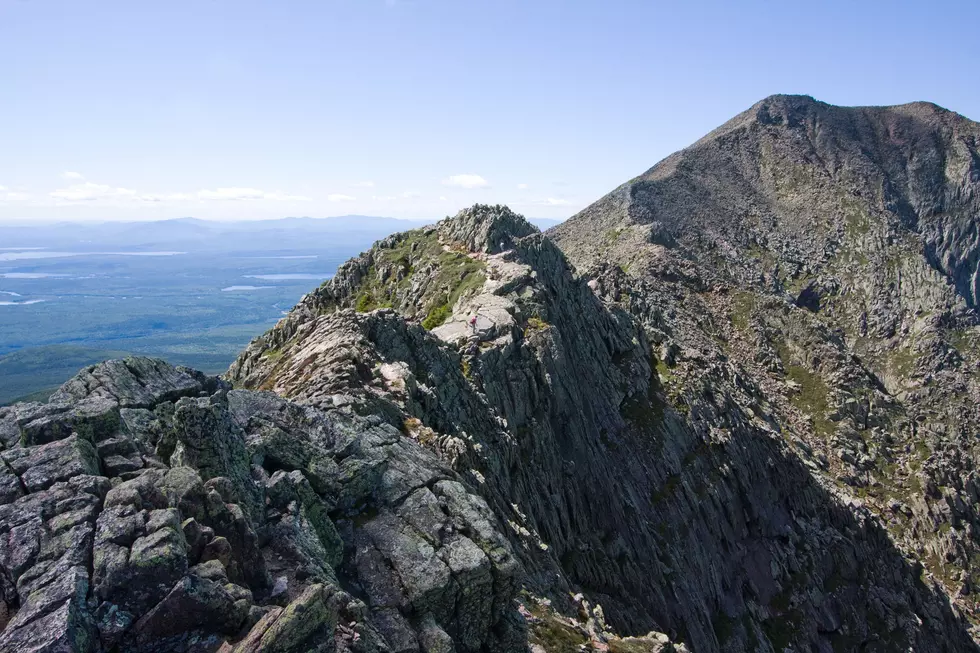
x=152, y=508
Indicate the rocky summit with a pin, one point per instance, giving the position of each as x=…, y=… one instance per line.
x=731, y=406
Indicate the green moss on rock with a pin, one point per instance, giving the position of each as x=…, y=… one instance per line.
x=436, y=316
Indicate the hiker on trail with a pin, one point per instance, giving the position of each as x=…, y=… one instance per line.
x=473, y=323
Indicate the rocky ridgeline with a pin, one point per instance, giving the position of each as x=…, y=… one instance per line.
x=151, y=508
x=687, y=511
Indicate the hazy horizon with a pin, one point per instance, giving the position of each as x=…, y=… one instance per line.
x=40, y=222
x=136, y=219
x=418, y=108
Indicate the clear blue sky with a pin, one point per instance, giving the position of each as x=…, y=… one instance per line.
x=224, y=109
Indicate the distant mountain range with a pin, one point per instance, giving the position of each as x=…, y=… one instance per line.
x=209, y=235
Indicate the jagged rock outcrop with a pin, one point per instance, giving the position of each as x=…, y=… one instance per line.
x=685, y=513
x=152, y=508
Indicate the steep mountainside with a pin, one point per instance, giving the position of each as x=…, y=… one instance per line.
x=831, y=255
x=685, y=510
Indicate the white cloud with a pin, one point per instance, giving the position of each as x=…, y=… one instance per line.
x=442, y=199
x=246, y=194
x=465, y=181
x=72, y=175
x=521, y=186
x=338, y=197
x=7, y=195
x=552, y=201
x=411, y=194
x=384, y=198
x=89, y=192
x=363, y=184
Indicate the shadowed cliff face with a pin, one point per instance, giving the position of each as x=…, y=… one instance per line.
x=688, y=510
x=830, y=254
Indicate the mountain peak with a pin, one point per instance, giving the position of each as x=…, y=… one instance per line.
x=784, y=108
x=486, y=228
x=787, y=100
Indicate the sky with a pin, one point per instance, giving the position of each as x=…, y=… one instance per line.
x=248, y=109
